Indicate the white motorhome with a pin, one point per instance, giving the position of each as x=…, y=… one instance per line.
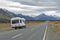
x=17, y=22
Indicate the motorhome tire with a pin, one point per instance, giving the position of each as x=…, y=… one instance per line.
x=15, y=28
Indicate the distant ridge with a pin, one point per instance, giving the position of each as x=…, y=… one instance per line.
x=7, y=15
x=46, y=17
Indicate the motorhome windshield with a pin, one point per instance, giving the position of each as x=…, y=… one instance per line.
x=15, y=21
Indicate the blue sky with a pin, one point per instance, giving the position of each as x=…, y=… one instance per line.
x=32, y=7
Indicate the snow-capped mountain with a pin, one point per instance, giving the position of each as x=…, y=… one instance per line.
x=46, y=17
x=8, y=14
x=26, y=17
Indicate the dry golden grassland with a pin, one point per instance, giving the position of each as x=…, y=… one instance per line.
x=28, y=23
x=55, y=26
x=4, y=25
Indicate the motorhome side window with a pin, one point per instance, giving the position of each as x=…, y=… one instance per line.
x=20, y=21
x=23, y=21
x=15, y=21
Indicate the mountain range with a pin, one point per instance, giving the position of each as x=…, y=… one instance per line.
x=46, y=17
x=7, y=15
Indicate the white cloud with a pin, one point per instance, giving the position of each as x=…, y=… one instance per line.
x=50, y=12
x=30, y=10
x=53, y=13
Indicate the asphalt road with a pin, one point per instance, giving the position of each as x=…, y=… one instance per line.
x=36, y=32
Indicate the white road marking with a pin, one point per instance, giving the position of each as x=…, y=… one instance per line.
x=44, y=38
x=16, y=36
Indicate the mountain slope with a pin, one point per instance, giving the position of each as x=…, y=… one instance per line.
x=5, y=15
x=26, y=17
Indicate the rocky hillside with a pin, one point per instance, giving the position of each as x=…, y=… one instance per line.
x=5, y=15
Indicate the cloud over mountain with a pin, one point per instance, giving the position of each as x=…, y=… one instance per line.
x=30, y=7
x=5, y=14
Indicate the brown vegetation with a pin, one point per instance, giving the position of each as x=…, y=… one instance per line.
x=4, y=25
x=55, y=26
x=28, y=23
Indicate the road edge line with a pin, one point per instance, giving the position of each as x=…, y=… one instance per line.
x=44, y=37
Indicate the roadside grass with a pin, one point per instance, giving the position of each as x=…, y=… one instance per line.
x=55, y=25
x=7, y=27
x=4, y=25
x=31, y=23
